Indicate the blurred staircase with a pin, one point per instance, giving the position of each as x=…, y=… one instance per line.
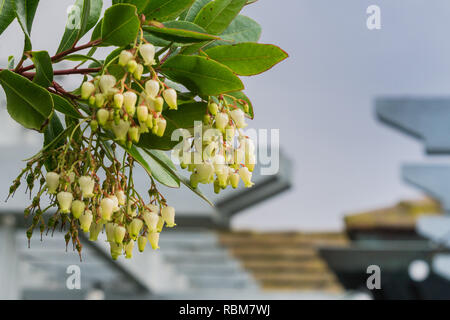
x=285, y=261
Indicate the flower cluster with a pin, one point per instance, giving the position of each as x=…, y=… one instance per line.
x=129, y=106
x=213, y=157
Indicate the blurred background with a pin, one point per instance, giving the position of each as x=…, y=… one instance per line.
x=342, y=200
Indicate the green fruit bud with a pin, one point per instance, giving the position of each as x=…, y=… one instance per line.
x=158, y=104
x=131, y=66
x=138, y=72
x=99, y=100
x=94, y=125
x=86, y=220
x=87, y=89
x=102, y=116
x=78, y=207
x=142, y=242
x=213, y=108
x=118, y=100
x=153, y=238
x=124, y=57
x=170, y=95
x=119, y=234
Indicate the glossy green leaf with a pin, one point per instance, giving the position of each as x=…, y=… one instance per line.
x=44, y=68
x=65, y=107
x=195, y=9
x=154, y=168
x=7, y=14
x=201, y=75
x=180, y=32
x=120, y=25
x=53, y=138
x=248, y=58
x=163, y=10
x=82, y=17
x=11, y=62
x=27, y=103
x=25, y=12
x=140, y=4
x=165, y=161
x=217, y=15
x=184, y=117
x=242, y=29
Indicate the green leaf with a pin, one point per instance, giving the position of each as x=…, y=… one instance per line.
x=120, y=25
x=154, y=168
x=242, y=29
x=82, y=17
x=44, y=68
x=97, y=32
x=163, y=10
x=180, y=32
x=7, y=14
x=197, y=191
x=217, y=15
x=165, y=161
x=27, y=103
x=241, y=96
x=140, y=4
x=53, y=138
x=248, y=58
x=184, y=117
x=195, y=9
x=201, y=75
x=25, y=12
x=65, y=107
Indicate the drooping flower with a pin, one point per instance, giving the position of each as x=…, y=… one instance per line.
x=246, y=176
x=153, y=238
x=106, y=208
x=152, y=88
x=124, y=57
x=170, y=95
x=87, y=185
x=168, y=214
x=147, y=52
x=78, y=207
x=65, y=201
x=52, y=180
x=87, y=89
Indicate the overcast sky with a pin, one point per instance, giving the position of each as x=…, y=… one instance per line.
x=321, y=98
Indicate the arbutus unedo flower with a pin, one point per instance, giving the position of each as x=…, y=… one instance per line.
x=125, y=110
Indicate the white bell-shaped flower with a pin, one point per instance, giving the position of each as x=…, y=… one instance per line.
x=121, y=198
x=116, y=203
x=109, y=228
x=170, y=95
x=153, y=238
x=125, y=57
x=147, y=52
x=222, y=121
x=118, y=100
x=234, y=180
x=129, y=101
x=52, y=180
x=238, y=117
x=65, y=201
x=135, y=227
x=78, y=207
x=86, y=220
x=142, y=113
x=87, y=89
x=94, y=231
x=151, y=220
x=107, y=82
x=106, y=208
x=168, y=214
x=119, y=233
x=129, y=249
x=121, y=130
x=205, y=171
x=246, y=176
x=152, y=88
x=87, y=185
